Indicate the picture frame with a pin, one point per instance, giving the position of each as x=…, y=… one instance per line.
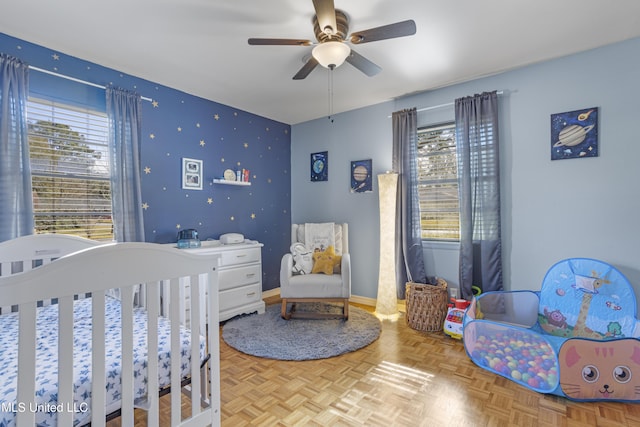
x=361, y=176
x=574, y=134
x=320, y=166
x=191, y=174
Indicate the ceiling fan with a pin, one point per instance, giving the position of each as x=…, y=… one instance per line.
x=331, y=28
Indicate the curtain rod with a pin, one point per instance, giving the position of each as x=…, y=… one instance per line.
x=73, y=79
x=435, y=107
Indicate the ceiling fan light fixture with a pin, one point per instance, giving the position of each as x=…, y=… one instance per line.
x=331, y=54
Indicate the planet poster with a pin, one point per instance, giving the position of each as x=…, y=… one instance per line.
x=320, y=166
x=361, y=176
x=574, y=134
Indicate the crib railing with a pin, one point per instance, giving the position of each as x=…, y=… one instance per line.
x=160, y=275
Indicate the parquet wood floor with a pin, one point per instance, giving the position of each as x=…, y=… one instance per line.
x=405, y=378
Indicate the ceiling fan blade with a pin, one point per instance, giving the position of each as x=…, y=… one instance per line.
x=391, y=31
x=306, y=69
x=363, y=64
x=326, y=14
x=280, y=42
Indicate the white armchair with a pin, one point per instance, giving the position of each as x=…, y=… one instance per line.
x=316, y=287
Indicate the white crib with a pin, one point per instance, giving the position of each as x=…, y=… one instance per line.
x=48, y=284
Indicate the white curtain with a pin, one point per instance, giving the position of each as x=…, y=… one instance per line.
x=16, y=199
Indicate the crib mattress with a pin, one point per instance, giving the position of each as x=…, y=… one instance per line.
x=47, y=361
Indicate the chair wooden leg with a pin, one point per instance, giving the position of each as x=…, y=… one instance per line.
x=345, y=310
x=283, y=310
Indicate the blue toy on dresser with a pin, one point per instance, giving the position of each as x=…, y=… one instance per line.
x=576, y=337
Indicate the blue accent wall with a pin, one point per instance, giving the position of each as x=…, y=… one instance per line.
x=176, y=125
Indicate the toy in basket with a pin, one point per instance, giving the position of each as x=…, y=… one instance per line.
x=455, y=314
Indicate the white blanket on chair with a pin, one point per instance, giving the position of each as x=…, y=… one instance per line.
x=319, y=236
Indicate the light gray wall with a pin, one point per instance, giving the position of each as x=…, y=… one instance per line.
x=550, y=209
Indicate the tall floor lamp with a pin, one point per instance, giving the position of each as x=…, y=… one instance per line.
x=387, y=301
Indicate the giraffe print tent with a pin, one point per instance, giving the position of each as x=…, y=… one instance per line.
x=577, y=337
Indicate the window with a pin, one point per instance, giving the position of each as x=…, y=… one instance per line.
x=70, y=170
x=438, y=182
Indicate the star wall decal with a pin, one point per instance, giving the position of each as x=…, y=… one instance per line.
x=152, y=136
x=147, y=170
x=210, y=200
x=179, y=129
x=253, y=216
x=55, y=57
x=145, y=206
x=202, y=143
x=232, y=218
x=246, y=145
x=197, y=125
x=216, y=116
x=154, y=103
x=178, y=226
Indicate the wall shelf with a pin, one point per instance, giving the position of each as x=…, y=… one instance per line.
x=225, y=182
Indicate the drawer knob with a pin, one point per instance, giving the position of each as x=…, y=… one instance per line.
x=241, y=256
x=250, y=294
x=251, y=274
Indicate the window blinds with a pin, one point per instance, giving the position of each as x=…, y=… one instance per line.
x=438, y=182
x=70, y=170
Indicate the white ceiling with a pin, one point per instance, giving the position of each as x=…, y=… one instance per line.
x=200, y=46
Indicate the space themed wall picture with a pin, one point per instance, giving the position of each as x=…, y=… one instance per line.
x=320, y=166
x=574, y=134
x=361, y=176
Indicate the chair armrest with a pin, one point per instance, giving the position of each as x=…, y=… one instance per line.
x=345, y=268
x=286, y=269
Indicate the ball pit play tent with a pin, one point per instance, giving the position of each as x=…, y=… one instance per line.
x=577, y=337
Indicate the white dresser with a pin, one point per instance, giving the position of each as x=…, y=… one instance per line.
x=239, y=276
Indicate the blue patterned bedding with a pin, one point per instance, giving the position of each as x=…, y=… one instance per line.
x=47, y=361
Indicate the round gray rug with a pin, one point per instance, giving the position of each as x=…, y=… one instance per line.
x=268, y=335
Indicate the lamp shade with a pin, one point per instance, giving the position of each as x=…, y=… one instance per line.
x=331, y=54
x=387, y=301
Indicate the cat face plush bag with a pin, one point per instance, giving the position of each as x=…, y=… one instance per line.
x=596, y=370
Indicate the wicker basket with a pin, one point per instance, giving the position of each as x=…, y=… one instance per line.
x=426, y=305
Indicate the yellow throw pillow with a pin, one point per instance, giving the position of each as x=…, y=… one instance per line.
x=323, y=261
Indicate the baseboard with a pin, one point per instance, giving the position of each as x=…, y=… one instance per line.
x=363, y=300
x=354, y=298
x=271, y=293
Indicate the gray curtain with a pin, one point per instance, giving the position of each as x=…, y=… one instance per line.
x=476, y=119
x=409, y=259
x=124, y=110
x=16, y=201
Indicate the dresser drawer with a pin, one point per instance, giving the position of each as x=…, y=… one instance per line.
x=239, y=276
x=237, y=297
x=240, y=256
